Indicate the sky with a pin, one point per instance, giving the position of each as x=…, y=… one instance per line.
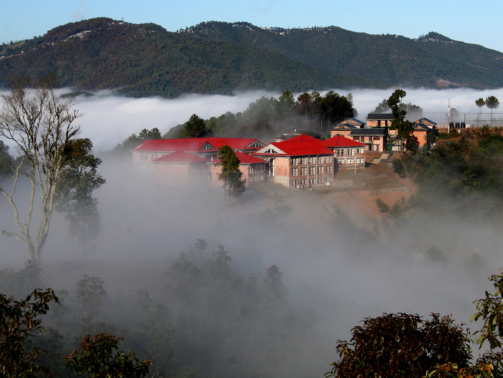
x=471, y=22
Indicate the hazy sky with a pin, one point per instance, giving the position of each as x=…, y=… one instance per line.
x=468, y=21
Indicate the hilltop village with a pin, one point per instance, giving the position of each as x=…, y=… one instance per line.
x=295, y=160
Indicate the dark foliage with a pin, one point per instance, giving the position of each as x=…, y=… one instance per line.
x=402, y=345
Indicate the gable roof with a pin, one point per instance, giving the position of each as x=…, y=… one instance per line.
x=421, y=127
x=354, y=121
x=425, y=121
x=378, y=131
x=378, y=116
x=244, y=159
x=301, y=145
x=344, y=126
x=180, y=157
x=340, y=141
x=196, y=144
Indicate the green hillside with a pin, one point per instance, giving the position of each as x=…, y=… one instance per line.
x=431, y=61
x=146, y=60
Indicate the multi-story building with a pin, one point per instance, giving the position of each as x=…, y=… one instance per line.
x=299, y=162
x=348, y=153
x=379, y=119
x=375, y=138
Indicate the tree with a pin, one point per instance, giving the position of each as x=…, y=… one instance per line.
x=100, y=357
x=382, y=107
x=150, y=134
x=41, y=125
x=78, y=179
x=480, y=103
x=90, y=293
x=6, y=161
x=234, y=186
x=402, y=345
x=195, y=127
x=19, y=323
x=404, y=128
x=492, y=103
x=273, y=284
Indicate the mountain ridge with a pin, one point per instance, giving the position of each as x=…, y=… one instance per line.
x=220, y=58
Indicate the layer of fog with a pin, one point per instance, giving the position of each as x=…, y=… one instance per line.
x=109, y=119
x=328, y=269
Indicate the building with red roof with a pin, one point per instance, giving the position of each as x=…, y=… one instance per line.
x=203, y=147
x=299, y=162
x=182, y=161
x=348, y=153
x=254, y=169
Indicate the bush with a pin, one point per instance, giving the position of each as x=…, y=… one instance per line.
x=398, y=167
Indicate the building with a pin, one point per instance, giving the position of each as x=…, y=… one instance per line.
x=206, y=148
x=344, y=128
x=348, y=153
x=181, y=168
x=299, y=162
x=254, y=170
x=375, y=139
x=188, y=160
x=379, y=119
x=294, y=133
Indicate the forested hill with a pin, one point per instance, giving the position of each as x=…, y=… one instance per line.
x=431, y=61
x=146, y=60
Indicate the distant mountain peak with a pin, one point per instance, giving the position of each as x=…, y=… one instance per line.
x=434, y=37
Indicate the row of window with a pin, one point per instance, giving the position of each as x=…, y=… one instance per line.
x=362, y=138
x=150, y=156
x=256, y=168
x=255, y=178
x=349, y=151
x=311, y=181
x=351, y=161
x=312, y=170
x=312, y=160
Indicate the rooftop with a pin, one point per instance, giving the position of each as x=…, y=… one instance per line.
x=198, y=144
x=301, y=145
x=340, y=141
x=244, y=159
x=381, y=131
x=180, y=157
x=380, y=116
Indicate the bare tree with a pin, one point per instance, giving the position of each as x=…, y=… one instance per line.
x=40, y=124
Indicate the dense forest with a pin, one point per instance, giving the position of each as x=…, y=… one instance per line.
x=431, y=60
x=146, y=60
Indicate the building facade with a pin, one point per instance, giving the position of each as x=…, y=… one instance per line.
x=302, y=161
x=348, y=153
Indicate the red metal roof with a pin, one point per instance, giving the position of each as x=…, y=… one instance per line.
x=340, y=141
x=298, y=146
x=180, y=157
x=244, y=159
x=195, y=144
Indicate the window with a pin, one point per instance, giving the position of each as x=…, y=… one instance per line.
x=329, y=179
x=376, y=138
x=329, y=159
x=356, y=138
x=303, y=182
x=320, y=170
x=294, y=183
x=303, y=171
x=329, y=169
x=320, y=160
x=295, y=161
x=340, y=161
x=320, y=180
x=350, y=161
x=295, y=171
x=312, y=181
x=312, y=160
x=312, y=170
x=304, y=161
